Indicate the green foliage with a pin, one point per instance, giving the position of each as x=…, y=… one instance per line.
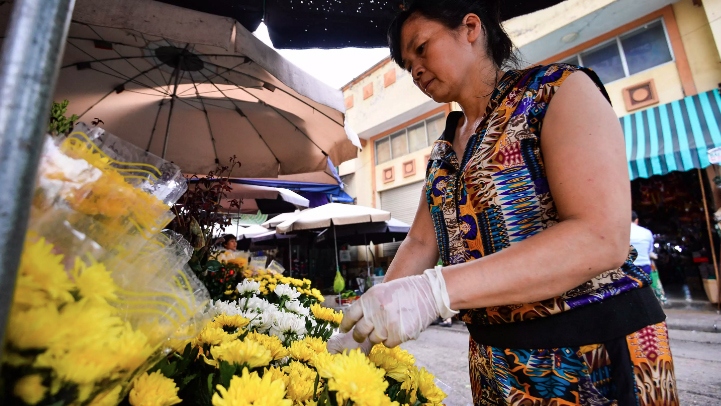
x=59, y=122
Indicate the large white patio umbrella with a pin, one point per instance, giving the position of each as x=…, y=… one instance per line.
x=251, y=197
x=331, y=215
x=196, y=89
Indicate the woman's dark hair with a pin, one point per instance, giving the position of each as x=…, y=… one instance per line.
x=451, y=13
x=228, y=238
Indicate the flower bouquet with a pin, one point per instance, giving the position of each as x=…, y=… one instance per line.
x=101, y=292
x=269, y=347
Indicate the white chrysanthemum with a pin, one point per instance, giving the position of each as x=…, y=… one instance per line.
x=249, y=286
x=261, y=322
x=297, y=308
x=256, y=304
x=220, y=307
x=288, y=325
x=286, y=291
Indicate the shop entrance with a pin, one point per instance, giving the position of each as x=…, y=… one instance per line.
x=672, y=207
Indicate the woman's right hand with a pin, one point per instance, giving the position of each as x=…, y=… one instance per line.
x=344, y=341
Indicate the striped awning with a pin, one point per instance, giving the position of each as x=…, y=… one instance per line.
x=673, y=136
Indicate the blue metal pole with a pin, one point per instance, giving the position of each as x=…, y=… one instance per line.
x=29, y=63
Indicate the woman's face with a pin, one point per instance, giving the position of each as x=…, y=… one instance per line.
x=231, y=245
x=438, y=58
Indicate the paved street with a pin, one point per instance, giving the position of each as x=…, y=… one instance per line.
x=697, y=357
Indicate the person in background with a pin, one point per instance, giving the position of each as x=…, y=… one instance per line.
x=642, y=240
x=230, y=243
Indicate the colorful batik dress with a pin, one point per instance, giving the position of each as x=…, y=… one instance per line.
x=496, y=195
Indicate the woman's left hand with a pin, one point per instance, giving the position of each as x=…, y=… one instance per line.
x=397, y=311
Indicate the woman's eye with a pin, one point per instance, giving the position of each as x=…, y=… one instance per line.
x=420, y=49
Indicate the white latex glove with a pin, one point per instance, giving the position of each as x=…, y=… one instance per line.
x=397, y=311
x=345, y=341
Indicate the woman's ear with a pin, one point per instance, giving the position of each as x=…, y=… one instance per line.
x=473, y=27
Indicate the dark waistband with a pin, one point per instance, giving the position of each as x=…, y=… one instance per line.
x=596, y=323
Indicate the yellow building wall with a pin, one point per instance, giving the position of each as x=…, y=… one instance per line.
x=698, y=40
x=386, y=102
x=666, y=78
x=397, y=164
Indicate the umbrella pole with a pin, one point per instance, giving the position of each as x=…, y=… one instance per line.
x=368, y=263
x=31, y=54
x=337, y=266
x=290, y=259
x=237, y=222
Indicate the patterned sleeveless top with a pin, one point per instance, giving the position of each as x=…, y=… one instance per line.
x=498, y=194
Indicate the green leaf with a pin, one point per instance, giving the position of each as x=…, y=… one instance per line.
x=210, y=382
x=213, y=265
x=315, y=386
x=188, y=379
x=227, y=370
x=169, y=369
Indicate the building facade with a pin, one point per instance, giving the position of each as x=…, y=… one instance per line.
x=648, y=53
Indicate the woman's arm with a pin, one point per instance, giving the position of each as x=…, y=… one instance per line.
x=418, y=251
x=585, y=160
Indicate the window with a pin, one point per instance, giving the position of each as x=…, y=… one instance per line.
x=417, y=137
x=631, y=53
x=399, y=144
x=411, y=139
x=605, y=61
x=646, y=48
x=383, y=150
x=435, y=127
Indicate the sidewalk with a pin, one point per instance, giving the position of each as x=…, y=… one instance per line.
x=680, y=315
x=692, y=316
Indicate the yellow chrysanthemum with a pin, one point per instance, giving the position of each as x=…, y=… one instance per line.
x=33, y=328
x=427, y=387
x=276, y=374
x=131, y=348
x=107, y=398
x=41, y=276
x=353, y=377
x=395, y=361
x=249, y=353
x=30, y=389
x=94, y=281
x=154, y=390
x=326, y=314
x=230, y=323
x=250, y=389
x=213, y=335
x=301, y=381
x=301, y=351
x=272, y=343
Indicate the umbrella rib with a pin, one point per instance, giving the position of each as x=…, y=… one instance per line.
x=207, y=119
x=119, y=54
x=172, y=105
x=280, y=114
x=107, y=94
x=119, y=73
x=277, y=88
x=155, y=125
x=103, y=60
x=240, y=112
x=218, y=66
x=130, y=80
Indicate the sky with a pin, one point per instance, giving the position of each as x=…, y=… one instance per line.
x=335, y=67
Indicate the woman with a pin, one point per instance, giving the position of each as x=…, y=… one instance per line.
x=526, y=202
x=229, y=242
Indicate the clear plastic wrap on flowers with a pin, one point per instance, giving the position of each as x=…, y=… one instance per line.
x=102, y=293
